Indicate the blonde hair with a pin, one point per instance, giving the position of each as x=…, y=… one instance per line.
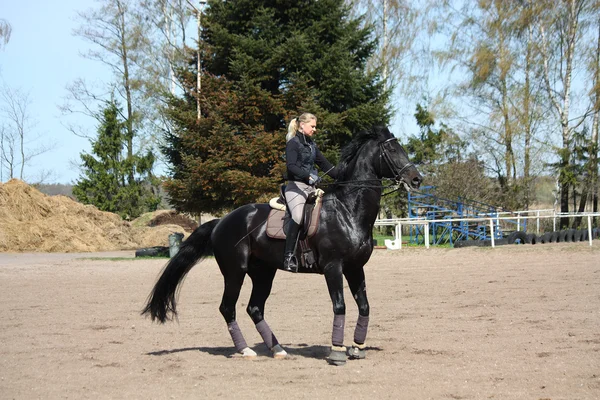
x=295, y=124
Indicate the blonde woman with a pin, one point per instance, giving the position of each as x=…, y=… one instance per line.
x=302, y=154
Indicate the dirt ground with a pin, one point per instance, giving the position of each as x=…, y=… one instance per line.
x=514, y=322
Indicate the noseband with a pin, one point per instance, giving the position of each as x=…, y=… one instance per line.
x=396, y=170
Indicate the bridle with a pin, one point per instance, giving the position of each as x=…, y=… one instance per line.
x=391, y=163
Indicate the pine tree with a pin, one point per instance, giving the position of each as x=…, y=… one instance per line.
x=265, y=62
x=107, y=182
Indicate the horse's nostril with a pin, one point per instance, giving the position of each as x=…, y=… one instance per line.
x=417, y=181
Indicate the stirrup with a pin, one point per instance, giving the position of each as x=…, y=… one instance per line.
x=290, y=263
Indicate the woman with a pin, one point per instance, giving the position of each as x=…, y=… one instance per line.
x=301, y=154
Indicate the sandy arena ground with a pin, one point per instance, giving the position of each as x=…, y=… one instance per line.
x=515, y=322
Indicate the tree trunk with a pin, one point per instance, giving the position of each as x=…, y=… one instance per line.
x=594, y=142
x=562, y=110
x=527, y=120
x=582, y=203
x=127, y=86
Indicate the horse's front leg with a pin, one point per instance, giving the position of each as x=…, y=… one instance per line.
x=335, y=284
x=262, y=282
x=356, y=282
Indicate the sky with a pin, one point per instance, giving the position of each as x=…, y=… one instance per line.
x=41, y=59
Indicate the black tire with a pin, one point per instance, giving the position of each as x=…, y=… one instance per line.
x=469, y=243
x=545, y=238
x=157, y=251
x=577, y=236
x=532, y=238
x=459, y=243
x=584, y=235
x=570, y=235
x=595, y=233
x=518, y=237
x=553, y=237
x=499, y=242
x=563, y=236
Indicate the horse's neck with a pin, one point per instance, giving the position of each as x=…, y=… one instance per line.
x=361, y=197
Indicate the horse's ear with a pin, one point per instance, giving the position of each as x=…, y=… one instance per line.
x=382, y=130
x=386, y=130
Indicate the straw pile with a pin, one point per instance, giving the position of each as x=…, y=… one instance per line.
x=31, y=221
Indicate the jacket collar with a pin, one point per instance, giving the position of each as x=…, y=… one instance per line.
x=303, y=138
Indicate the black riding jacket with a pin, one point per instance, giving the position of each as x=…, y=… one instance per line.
x=302, y=154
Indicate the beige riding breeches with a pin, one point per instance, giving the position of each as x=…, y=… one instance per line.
x=296, y=194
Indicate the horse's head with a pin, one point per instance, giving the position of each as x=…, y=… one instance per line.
x=393, y=161
x=377, y=152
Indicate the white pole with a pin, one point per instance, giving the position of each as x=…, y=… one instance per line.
x=492, y=232
x=537, y=231
x=427, y=235
x=198, y=55
x=590, y=238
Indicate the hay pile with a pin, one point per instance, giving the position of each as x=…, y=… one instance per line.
x=31, y=221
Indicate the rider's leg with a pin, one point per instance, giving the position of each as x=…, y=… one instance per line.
x=290, y=263
x=295, y=196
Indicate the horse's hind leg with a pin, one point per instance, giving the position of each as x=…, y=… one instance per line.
x=356, y=282
x=233, y=285
x=262, y=282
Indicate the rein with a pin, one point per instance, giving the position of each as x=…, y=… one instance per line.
x=357, y=184
x=396, y=170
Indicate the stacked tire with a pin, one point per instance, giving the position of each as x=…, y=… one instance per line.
x=520, y=237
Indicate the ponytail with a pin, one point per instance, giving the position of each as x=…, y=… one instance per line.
x=295, y=125
x=292, y=129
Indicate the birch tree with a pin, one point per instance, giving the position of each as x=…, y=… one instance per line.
x=141, y=43
x=396, y=24
x=559, y=30
x=20, y=143
x=595, y=94
x=496, y=105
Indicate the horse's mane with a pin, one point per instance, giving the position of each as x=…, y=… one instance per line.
x=350, y=151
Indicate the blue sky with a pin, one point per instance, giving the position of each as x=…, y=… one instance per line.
x=42, y=58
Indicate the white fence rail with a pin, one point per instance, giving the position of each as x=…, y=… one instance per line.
x=492, y=221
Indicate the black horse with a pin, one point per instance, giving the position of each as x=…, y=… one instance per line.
x=342, y=246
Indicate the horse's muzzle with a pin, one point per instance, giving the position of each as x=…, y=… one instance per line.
x=412, y=182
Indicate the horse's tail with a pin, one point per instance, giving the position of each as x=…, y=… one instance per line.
x=162, y=299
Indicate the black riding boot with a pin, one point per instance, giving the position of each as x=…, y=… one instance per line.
x=290, y=263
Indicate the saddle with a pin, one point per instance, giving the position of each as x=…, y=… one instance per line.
x=279, y=217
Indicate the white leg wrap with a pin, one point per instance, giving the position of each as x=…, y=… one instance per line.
x=248, y=353
x=279, y=352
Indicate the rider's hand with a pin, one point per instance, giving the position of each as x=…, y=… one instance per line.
x=314, y=180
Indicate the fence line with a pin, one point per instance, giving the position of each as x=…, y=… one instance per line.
x=398, y=222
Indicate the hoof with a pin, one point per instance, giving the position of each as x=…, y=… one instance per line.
x=357, y=352
x=248, y=354
x=278, y=352
x=337, y=356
